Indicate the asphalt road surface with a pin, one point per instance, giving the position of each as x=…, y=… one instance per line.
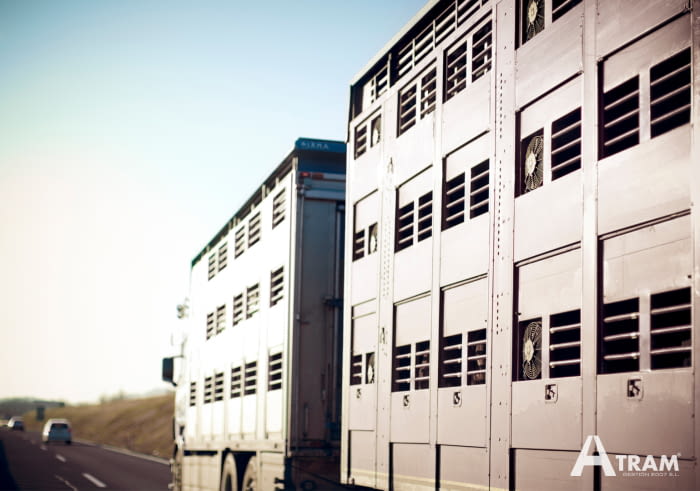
x=28, y=464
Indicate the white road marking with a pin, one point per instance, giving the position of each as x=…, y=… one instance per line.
x=94, y=480
x=60, y=457
x=66, y=483
x=43, y=447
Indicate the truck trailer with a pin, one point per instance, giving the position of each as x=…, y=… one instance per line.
x=523, y=249
x=258, y=376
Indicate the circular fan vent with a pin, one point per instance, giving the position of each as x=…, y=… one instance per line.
x=534, y=18
x=533, y=163
x=532, y=350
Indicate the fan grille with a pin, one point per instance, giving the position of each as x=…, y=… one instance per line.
x=532, y=350
x=533, y=18
x=532, y=163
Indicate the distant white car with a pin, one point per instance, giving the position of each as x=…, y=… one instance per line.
x=57, y=430
x=16, y=423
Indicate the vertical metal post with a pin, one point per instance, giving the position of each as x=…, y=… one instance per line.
x=502, y=252
x=589, y=236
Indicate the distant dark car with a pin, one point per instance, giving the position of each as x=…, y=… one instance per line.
x=57, y=430
x=16, y=423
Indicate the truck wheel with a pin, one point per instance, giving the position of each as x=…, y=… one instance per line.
x=229, y=476
x=250, y=478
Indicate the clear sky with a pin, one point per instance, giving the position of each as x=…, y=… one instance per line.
x=130, y=131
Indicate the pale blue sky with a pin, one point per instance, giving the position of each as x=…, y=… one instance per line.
x=130, y=131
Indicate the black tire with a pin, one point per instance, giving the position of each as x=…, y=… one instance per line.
x=250, y=477
x=229, y=475
x=68, y=442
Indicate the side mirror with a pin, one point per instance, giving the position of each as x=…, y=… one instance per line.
x=168, y=370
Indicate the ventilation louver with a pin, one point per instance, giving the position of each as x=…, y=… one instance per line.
x=219, y=387
x=422, y=366
x=532, y=350
x=193, y=393
x=276, y=286
x=274, y=372
x=236, y=382
x=671, y=329
x=451, y=361
x=210, y=324
x=238, y=309
x=532, y=162
x=250, y=380
x=476, y=357
x=670, y=93
x=620, y=337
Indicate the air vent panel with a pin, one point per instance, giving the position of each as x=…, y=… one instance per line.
x=620, y=337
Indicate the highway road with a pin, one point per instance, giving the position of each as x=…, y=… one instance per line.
x=28, y=464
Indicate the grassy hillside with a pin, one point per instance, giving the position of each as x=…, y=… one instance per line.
x=141, y=425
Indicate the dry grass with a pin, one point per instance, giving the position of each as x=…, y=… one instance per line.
x=141, y=425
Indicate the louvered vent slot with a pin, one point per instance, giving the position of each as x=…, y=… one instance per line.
x=444, y=24
x=565, y=344
x=481, y=51
x=381, y=83
x=208, y=389
x=358, y=248
x=223, y=256
x=250, y=378
x=454, y=201
x=422, y=366
x=356, y=370
x=456, y=70
x=220, y=318
x=425, y=216
x=360, y=139
x=620, y=337
x=404, y=228
x=402, y=368
x=193, y=393
x=219, y=387
x=252, y=300
x=671, y=329
x=279, y=205
x=566, y=144
x=254, y=230
x=467, y=8
x=405, y=60
x=476, y=357
x=236, y=382
x=479, y=190
x=212, y=266
x=621, y=117
x=210, y=324
x=407, y=109
x=451, y=361
x=239, y=245
x=237, y=309
x=422, y=44
x=274, y=372
x=276, y=286
x=428, y=93
x=670, y=93
x=560, y=7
